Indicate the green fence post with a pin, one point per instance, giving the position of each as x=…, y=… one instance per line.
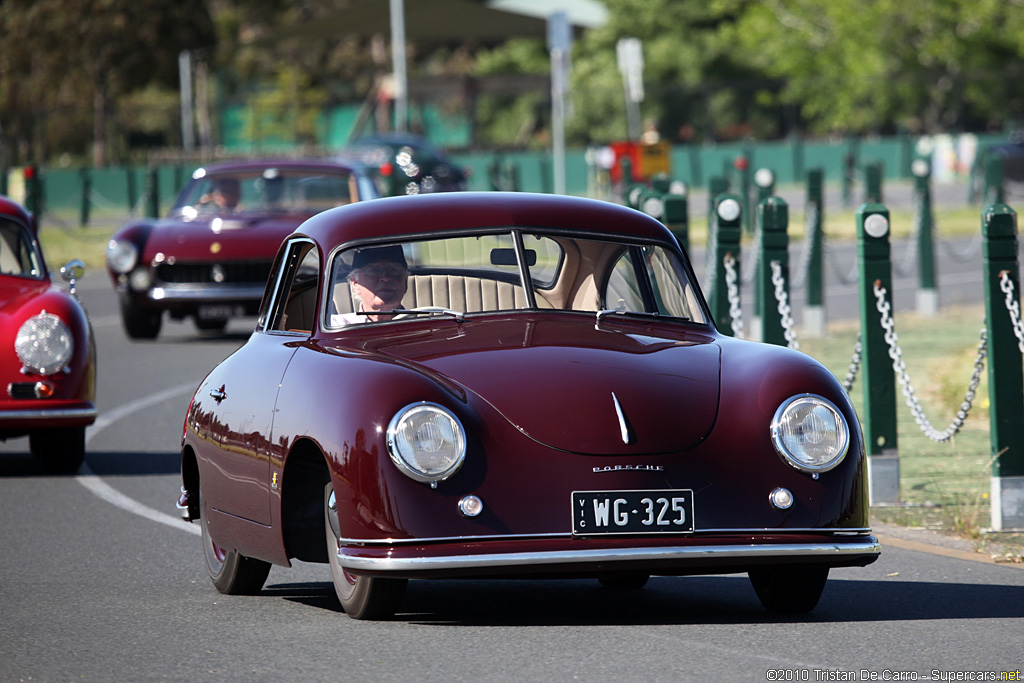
x=764, y=180
x=133, y=192
x=927, y=290
x=86, y=184
x=814, y=305
x=873, y=183
x=34, y=192
x=1005, y=384
x=3, y=180
x=875, y=269
x=513, y=176
x=742, y=165
x=677, y=216
x=850, y=169
x=726, y=228
x=773, y=217
x=153, y=192
x=716, y=185
x=994, y=191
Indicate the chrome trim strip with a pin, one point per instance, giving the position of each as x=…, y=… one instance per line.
x=44, y=414
x=513, y=537
x=709, y=553
x=210, y=293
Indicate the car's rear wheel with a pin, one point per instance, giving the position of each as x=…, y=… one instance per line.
x=362, y=597
x=789, y=590
x=624, y=581
x=140, y=323
x=60, y=450
x=231, y=572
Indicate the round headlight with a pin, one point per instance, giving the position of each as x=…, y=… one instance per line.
x=44, y=344
x=121, y=255
x=426, y=442
x=810, y=433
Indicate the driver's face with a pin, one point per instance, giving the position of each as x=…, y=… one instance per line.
x=381, y=285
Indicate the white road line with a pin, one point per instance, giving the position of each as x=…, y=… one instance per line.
x=105, y=491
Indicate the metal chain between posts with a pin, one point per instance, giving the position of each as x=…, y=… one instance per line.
x=900, y=367
x=845, y=280
x=906, y=264
x=785, y=310
x=805, y=256
x=854, y=367
x=733, y=290
x=750, y=265
x=1013, y=307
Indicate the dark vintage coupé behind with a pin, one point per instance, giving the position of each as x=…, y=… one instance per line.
x=551, y=399
x=210, y=261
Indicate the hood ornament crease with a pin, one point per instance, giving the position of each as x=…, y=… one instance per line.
x=624, y=429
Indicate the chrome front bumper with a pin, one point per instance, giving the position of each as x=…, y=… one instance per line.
x=690, y=556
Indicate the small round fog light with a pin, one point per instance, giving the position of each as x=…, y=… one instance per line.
x=471, y=506
x=140, y=279
x=781, y=499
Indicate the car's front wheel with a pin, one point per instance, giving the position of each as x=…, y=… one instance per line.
x=140, y=323
x=60, y=450
x=789, y=590
x=362, y=597
x=231, y=572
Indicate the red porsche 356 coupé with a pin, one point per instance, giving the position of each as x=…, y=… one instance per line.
x=209, y=259
x=514, y=385
x=48, y=358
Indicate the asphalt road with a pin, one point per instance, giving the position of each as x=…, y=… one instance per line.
x=100, y=581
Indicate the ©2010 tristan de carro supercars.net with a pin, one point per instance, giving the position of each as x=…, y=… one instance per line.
x=514, y=385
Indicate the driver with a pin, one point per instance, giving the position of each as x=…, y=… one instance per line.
x=379, y=279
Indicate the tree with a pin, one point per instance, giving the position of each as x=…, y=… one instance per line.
x=83, y=55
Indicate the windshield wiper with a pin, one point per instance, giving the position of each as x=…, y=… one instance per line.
x=422, y=310
x=635, y=314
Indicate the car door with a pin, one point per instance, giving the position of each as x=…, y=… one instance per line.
x=244, y=473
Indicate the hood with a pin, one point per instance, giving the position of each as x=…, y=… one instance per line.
x=15, y=292
x=612, y=390
x=252, y=237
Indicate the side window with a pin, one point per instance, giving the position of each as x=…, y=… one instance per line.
x=623, y=291
x=294, y=304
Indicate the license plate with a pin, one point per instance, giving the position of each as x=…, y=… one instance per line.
x=632, y=512
x=219, y=311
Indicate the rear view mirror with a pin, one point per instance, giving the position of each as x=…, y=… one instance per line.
x=507, y=257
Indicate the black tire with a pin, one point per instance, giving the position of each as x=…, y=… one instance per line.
x=789, y=590
x=140, y=323
x=626, y=581
x=60, y=450
x=210, y=326
x=231, y=572
x=362, y=597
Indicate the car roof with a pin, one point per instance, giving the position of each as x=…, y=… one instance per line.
x=452, y=211
x=11, y=209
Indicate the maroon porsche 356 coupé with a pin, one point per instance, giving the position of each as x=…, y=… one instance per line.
x=210, y=257
x=514, y=385
x=48, y=355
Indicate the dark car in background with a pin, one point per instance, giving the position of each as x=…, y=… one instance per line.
x=210, y=257
x=47, y=349
x=408, y=164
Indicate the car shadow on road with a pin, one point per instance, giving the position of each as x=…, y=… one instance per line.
x=101, y=463
x=672, y=601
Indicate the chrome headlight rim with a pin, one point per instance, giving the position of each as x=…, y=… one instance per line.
x=399, y=445
x=44, y=344
x=122, y=255
x=780, y=438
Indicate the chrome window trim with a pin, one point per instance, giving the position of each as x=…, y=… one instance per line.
x=708, y=554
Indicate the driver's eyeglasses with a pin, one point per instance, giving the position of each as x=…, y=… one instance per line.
x=378, y=271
